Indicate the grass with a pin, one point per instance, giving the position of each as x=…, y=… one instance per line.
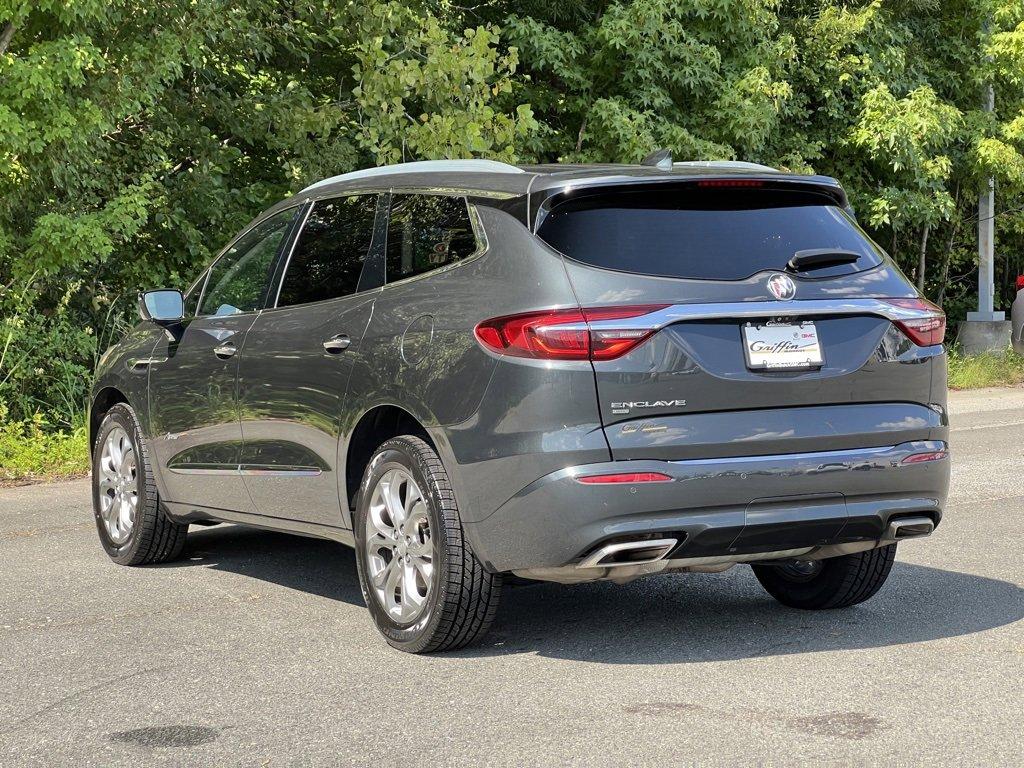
x=988, y=370
x=31, y=453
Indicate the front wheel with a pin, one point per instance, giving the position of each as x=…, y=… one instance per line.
x=836, y=582
x=133, y=528
x=423, y=585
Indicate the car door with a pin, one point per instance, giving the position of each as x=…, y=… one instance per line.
x=197, y=434
x=295, y=368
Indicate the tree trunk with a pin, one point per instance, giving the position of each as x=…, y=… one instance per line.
x=579, y=136
x=921, y=259
x=6, y=33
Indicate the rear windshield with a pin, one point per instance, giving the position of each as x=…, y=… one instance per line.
x=705, y=233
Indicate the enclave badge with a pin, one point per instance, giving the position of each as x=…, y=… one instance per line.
x=782, y=287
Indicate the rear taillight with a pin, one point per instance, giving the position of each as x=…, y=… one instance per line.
x=921, y=458
x=624, y=477
x=1020, y=282
x=925, y=331
x=565, y=334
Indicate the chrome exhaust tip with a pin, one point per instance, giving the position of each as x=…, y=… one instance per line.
x=909, y=528
x=622, y=553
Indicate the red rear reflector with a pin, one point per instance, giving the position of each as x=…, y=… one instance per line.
x=1020, y=282
x=730, y=183
x=920, y=458
x=565, y=334
x=923, y=331
x=625, y=477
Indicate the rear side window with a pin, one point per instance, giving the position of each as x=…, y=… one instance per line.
x=705, y=233
x=332, y=247
x=426, y=232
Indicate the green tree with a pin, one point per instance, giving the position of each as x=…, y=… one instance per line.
x=135, y=138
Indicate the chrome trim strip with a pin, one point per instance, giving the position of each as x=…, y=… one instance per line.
x=279, y=471
x=186, y=470
x=755, y=309
x=248, y=471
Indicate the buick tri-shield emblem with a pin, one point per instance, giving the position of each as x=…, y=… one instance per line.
x=782, y=287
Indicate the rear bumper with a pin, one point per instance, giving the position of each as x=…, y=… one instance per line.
x=716, y=507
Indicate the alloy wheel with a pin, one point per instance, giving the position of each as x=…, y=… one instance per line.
x=399, y=549
x=118, y=485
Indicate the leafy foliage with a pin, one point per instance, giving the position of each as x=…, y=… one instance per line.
x=135, y=138
x=30, y=450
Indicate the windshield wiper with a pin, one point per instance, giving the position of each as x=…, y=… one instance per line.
x=819, y=258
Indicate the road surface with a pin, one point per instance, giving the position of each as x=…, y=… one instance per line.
x=256, y=650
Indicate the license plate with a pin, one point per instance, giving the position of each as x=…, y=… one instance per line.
x=790, y=346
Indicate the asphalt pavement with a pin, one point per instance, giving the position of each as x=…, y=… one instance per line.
x=256, y=650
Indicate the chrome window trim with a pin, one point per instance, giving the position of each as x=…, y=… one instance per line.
x=291, y=250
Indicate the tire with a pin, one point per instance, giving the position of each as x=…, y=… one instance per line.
x=151, y=537
x=462, y=598
x=839, y=582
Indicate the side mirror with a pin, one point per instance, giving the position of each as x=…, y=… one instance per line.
x=163, y=307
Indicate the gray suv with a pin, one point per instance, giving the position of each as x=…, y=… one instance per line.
x=468, y=370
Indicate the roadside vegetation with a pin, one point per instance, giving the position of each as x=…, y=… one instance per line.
x=32, y=451
x=137, y=137
x=990, y=370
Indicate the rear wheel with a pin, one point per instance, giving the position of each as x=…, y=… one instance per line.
x=836, y=582
x=423, y=585
x=132, y=525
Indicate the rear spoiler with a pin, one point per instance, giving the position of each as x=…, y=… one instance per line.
x=545, y=201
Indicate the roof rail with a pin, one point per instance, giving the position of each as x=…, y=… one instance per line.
x=423, y=166
x=738, y=165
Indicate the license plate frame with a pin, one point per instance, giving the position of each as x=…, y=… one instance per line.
x=782, y=346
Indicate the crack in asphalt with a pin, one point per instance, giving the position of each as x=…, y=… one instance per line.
x=67, y=699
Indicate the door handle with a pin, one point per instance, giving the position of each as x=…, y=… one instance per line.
x=337, y=344
x=224, y=351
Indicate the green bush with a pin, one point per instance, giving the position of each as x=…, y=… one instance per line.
x=32, y=450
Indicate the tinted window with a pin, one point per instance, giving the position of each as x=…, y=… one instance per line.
x=426, y=232
x=239, y=279
x=331, y=250
x=704, y=233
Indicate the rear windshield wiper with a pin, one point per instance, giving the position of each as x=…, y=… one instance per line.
x=819, y=258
